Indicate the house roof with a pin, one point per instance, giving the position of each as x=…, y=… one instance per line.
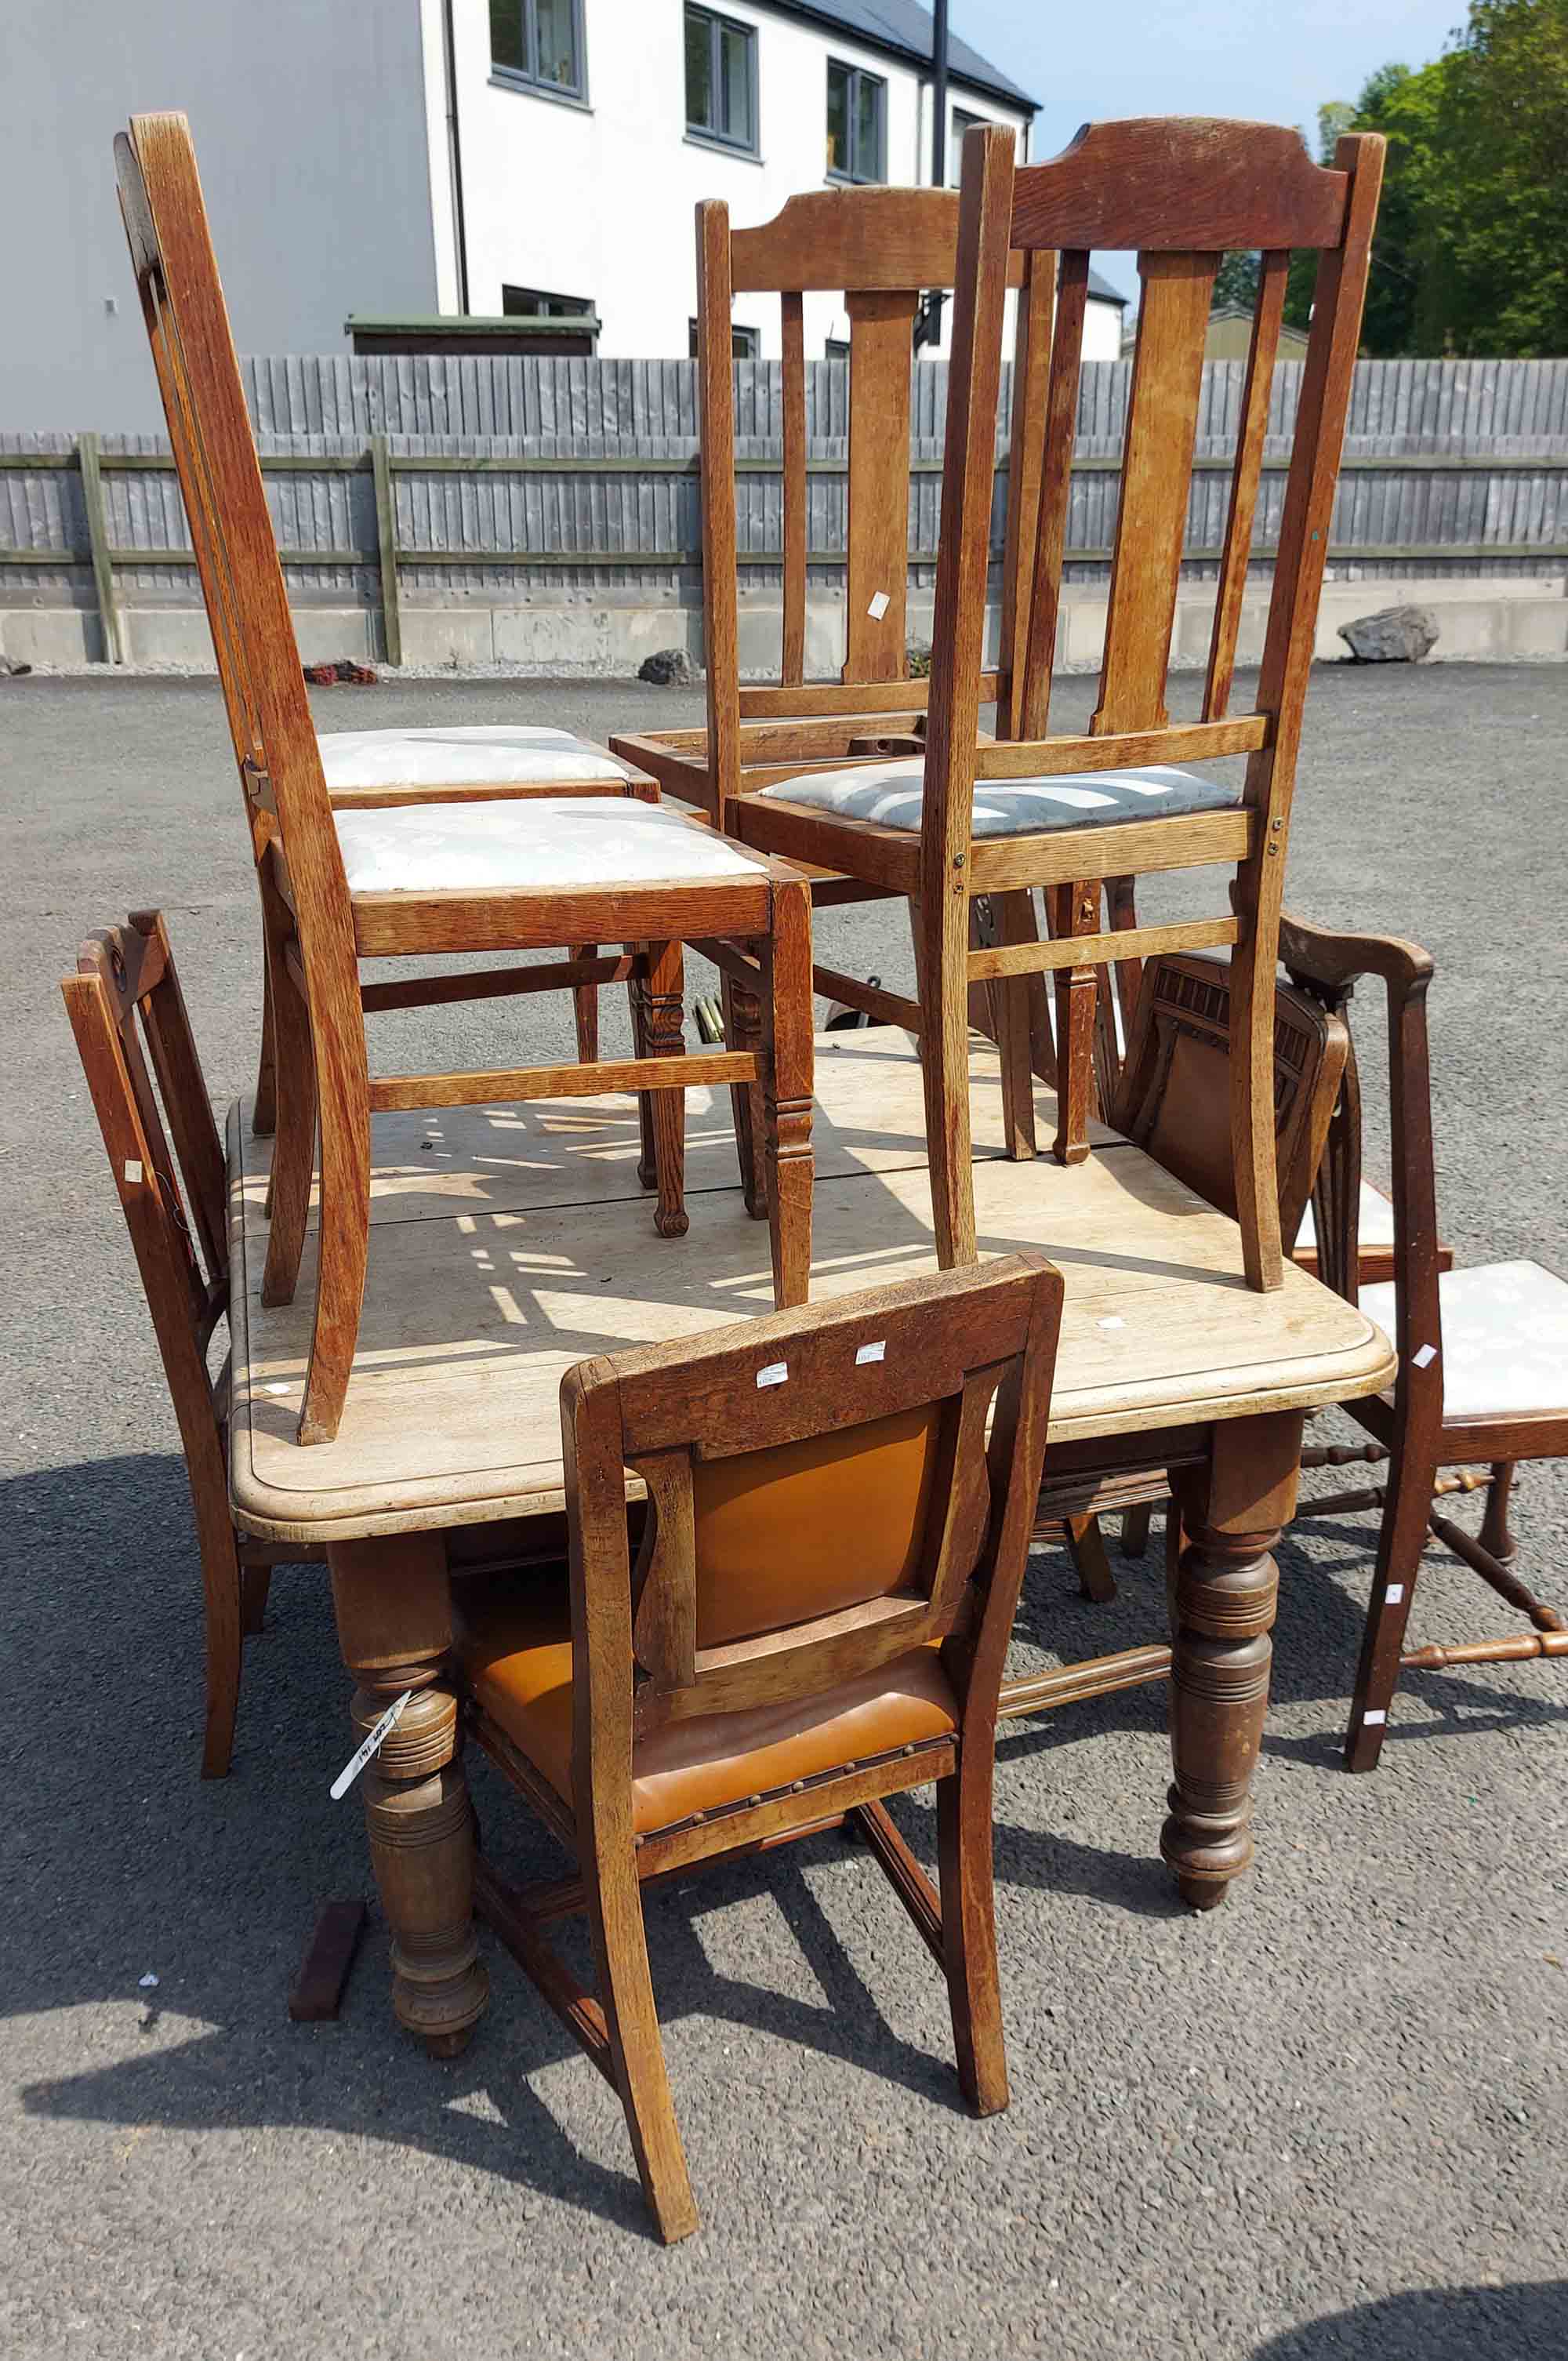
x=903, y=29
x=1101, y=291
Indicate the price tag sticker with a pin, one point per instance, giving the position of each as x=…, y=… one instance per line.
x=877, y=1352
x=879, y=606
x=776, y=1373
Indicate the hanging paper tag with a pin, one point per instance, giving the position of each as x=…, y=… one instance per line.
x=373, y=1745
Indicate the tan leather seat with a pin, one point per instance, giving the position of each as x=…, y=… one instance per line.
x=516, y=1648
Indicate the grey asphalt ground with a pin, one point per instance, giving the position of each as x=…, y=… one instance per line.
x=1328, y=2119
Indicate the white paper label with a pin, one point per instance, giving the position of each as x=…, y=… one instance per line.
x=1370, y=1718
x=133, y=1170
x=879, y=606
x=872, y=1352
x=373, y=1745
x=775, y=1373
x=1394, y=1593
x=1112, y=1323
x=1425, y=1357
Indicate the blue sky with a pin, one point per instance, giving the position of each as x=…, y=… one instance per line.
x=1272, y=61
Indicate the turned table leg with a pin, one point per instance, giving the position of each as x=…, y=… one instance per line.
x=394, y=1628
x=1232, y=1510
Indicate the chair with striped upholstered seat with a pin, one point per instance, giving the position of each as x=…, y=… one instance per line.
x=973, y=820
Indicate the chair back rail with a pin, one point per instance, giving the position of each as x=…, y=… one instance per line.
x=752, y=1587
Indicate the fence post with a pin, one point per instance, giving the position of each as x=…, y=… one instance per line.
x=387, y=549
x=98, y=542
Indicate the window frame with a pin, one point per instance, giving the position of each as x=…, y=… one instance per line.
x=706, y=135
x=959, y=122
x=555, y=306
x=527, y=77
x=854, y=178
x=750, y=351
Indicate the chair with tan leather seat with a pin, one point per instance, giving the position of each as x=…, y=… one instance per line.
x=816, y=1618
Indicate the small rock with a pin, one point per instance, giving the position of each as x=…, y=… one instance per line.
x=1393, y=636
x=9, y=671
x=328, y=676
x=669, y=668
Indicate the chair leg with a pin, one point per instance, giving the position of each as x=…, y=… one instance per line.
x=1495, y=1538
x=1252, y=1143
x=631, y=2022
x=1074, y=910
x=1015, y=924
x=255, y=1581
x=264, y=1107
x=941, y=966
x=1136, y=1525
x=1399, y=1546
x=294, y=1148
x=969, y=1929
x=585, y=1007
x=744, y=1030
x=1086, y=1547
x=343, y=1241
x=663, y=1011
x=636, y=1001
x=787, y=1089
x=223, y=1604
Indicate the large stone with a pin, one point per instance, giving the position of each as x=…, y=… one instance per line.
x=1393, y=636
x=668, y=668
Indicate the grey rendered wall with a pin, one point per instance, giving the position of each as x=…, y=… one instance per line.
x=345, y=225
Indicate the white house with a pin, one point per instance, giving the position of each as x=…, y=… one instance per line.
x=425, y=158
x=582, y=133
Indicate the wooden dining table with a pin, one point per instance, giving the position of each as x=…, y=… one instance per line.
x=509, y=1241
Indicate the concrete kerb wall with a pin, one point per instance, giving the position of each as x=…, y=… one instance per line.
x=1479, y=620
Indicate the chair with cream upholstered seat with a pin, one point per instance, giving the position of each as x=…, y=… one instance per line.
x=405, y=878
x=362, y=767
x=1483, y=1352
x=971, y=820
x=815, y=1618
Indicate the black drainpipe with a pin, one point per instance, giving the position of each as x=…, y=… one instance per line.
x=454, y=154
x=938, y=142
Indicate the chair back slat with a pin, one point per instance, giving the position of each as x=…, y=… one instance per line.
x=820, y=1497
x=795, y=491
x=1054, y=438
x=1031, y=372
x=1156, y=479
x=1181, y=184
x=232, y=534
x=882, y=327
x=1262, y=351
x=121, y=975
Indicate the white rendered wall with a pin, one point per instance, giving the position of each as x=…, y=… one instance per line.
x=597, y=200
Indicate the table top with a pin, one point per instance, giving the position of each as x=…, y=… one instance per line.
x=509, y=1241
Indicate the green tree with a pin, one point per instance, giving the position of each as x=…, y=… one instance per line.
x=1471, y=250
x=1236, y=279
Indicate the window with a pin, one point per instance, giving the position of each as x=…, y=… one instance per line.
x=539, y=42
x=721, y=80
x=857, y=124
x=744, y=343
x=962, y=123
x=534, y=303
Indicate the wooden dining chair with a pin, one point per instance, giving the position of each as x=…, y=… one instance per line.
x=134, y=1036
x=816, y=1618
x=1055, y=812
x=363, y=769
x=417, y=879
x=1483, y=1352
x=878, y=249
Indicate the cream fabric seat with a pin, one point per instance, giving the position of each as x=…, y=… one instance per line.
x=508, y=755
x=1504, y=1338
x=891, y=794
x=559, y=840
